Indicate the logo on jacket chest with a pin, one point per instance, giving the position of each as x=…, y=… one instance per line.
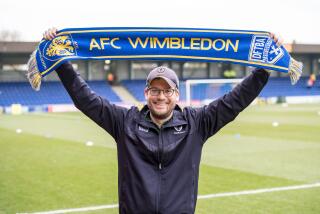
x=143, y=129
x=178, y=130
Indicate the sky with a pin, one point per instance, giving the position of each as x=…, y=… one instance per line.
x=293, y=20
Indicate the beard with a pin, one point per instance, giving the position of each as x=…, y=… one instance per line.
x=160, y=115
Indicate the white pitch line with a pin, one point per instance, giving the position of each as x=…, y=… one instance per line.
x=84, y=209
x=217, y=195
x=258, y=191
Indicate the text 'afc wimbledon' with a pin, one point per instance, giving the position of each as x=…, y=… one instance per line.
x=167, y=43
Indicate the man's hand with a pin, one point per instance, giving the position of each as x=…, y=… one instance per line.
x=276, y=38
x=50, y=33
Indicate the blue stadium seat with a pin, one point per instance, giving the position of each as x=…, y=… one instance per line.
x=136, y=88
x=281, y=86
x=50, y=93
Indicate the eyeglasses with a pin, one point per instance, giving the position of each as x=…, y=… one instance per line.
x=166, y=92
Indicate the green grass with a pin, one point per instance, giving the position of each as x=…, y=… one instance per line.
x=48, y=167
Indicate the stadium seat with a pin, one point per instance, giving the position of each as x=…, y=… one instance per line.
x=50, y=93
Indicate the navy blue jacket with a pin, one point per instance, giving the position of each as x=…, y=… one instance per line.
x=158, y=169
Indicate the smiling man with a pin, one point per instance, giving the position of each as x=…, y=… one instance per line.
x=159, y=147
x=162, y=94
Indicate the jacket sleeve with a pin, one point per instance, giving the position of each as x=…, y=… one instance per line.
x=217, y=114
x=108, y=116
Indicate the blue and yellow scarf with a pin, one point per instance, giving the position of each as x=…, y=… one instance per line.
x=250, y=48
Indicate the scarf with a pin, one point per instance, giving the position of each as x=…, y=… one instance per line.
x=249, y=48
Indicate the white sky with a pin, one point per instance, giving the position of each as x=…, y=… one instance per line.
x=292, y=19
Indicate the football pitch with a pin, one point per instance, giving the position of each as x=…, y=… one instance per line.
x=60, y=161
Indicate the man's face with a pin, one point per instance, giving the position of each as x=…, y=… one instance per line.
x=161, y=104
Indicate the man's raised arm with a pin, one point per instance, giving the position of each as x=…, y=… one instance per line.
x=108, y=116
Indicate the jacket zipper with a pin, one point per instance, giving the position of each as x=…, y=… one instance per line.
x=159, y=170
x=160, y=149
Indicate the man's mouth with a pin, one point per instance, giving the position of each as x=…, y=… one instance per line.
x=161, y=105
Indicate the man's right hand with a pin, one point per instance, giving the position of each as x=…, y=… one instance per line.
x=50, y=33
x=276, y=38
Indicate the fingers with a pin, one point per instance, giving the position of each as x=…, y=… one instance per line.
x=276, y=38
x=50, y=33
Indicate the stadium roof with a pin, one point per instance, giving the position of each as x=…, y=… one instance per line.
x=306, y=48
x=18, y=47
x=29, y=47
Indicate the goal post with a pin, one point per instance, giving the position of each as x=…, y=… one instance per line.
x=190, y=83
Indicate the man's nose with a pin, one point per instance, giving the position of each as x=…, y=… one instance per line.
x=161, y=95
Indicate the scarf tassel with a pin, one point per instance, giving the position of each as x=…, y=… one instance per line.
x=295, y=70
x=33, y=73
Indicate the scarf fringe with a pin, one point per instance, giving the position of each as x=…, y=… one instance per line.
x=33, y=73
x=295, y=70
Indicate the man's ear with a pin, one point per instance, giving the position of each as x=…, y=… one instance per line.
x=146, y=93
x=178, y=96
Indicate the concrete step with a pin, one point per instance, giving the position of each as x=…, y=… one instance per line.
x=125, y=95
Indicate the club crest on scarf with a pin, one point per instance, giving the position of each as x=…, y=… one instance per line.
x=59, y=46
x=264, y=50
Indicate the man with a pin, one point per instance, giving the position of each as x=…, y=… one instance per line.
x=159, y=147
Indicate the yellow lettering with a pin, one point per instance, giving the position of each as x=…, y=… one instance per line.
x=234, y=46
x=138, y=40
x=183, y=45
x=223, y=44
x=203, y=47
x=156, y=42
x=94, y=44
x=195, y=43
x=113, y=45
x=175, y=43
x=103, y=42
